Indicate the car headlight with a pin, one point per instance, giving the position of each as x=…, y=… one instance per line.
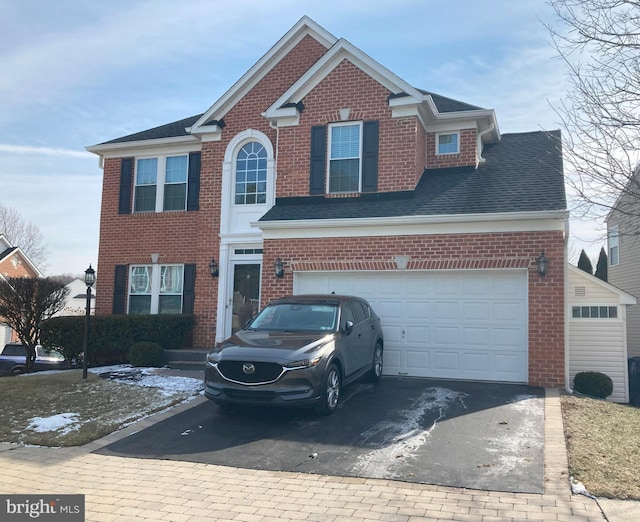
x=304, y=363
x=213, y=357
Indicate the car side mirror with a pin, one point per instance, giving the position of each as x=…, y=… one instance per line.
x=348, y=326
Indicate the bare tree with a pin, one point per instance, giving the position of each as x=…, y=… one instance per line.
x=599, y=41
x=23, y=234
x=26, y=302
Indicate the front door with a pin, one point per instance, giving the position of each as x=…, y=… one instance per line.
x=246, y=294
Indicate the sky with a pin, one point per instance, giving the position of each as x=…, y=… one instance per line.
x=78, y=73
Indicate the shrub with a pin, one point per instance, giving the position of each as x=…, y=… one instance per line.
x=594, y=384
x=146, y=353
x=110, y=336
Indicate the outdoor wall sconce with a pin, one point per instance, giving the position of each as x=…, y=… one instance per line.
x=278, y=268
x=213, y=268
x=541, y=264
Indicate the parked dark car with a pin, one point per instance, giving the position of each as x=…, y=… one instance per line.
x=299, y=350
x=634, y=380
x=14, y=356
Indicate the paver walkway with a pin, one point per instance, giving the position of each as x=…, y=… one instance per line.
x=127, y=489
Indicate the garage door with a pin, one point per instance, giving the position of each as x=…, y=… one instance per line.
x=454, y=324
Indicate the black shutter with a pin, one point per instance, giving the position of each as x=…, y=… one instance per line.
x=120, y=289
x=126, y=181
x=193, y=185
x=189, y=289
x=370, y=156
x=318, y=160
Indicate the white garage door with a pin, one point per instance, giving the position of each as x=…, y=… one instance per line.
x=454, y=324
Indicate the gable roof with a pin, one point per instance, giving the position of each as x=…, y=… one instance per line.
x=10, y=250
x=522, y=173
x=624, y=297
x=404, y=99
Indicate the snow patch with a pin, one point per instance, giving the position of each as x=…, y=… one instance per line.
x=63, y=422
x=402, y=438
x=508, y=448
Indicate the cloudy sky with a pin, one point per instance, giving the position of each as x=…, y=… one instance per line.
x=78, y=73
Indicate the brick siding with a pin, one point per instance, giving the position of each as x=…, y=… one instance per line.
x=405, y=149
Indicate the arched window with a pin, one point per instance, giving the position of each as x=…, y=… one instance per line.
x=251, y=174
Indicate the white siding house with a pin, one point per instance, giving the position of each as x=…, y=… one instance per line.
x=597, y=337
x=76, y=303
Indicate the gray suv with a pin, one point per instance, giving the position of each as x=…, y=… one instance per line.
x=299, y=350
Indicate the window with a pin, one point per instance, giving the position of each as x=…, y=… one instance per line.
x=448, y=143
x=614, y=246
x=161, y=184
x=251, y=175
x=594, y=312
x=345, y=150
x=156, y=289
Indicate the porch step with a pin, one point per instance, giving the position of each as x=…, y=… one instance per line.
x=189, y=359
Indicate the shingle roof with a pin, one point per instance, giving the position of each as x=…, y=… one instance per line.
x=445, y=104
x=169, y=130
x=522, y=173
x=7, y=252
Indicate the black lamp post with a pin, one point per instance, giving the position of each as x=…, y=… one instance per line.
x=89, y=279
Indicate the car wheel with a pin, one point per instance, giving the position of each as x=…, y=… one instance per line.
x=376, y=370
x=331, y=387
x=17, y=370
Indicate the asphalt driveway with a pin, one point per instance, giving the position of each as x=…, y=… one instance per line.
x=462, y=434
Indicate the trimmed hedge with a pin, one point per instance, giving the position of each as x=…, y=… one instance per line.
x=145, y=353
x=111, y=336
x=593, y=384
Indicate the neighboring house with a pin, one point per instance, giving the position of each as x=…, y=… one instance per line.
x=623, y=269
x=322, y=171
x=597, y=329
x=76, y=302
x=13, y=263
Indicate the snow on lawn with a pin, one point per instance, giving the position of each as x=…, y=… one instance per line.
x=150, y=378
x=64, y=421
x=157, y=378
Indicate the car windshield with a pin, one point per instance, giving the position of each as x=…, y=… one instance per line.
x=297, y=317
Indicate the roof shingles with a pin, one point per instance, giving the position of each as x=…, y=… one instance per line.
x=522, y=173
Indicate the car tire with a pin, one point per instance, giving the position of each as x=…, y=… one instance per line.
x=17, y=370
x=375, y=373
x=331, y=388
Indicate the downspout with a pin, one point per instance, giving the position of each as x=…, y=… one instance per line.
x=567, y=379
x=275, y=155
x=479, y=142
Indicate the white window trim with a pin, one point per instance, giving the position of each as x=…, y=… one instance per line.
x=160, y=182
x=155, y=274
x=614, y=237
x=331, y=126
x=438, y=134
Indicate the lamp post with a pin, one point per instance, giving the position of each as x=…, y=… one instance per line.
x=89, y=279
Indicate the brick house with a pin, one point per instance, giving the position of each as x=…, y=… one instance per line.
x=322, y=165
x=13, y=263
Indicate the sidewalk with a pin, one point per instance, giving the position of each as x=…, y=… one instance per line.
x=125, y=489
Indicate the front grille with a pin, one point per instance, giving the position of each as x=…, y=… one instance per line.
x=264, y=372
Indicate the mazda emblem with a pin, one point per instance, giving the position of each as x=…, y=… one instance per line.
x=248, y=368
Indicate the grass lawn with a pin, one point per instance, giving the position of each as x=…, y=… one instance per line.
x=603, y=444
x=84, y=410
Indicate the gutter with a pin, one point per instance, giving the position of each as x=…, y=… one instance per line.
x=479, y=146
